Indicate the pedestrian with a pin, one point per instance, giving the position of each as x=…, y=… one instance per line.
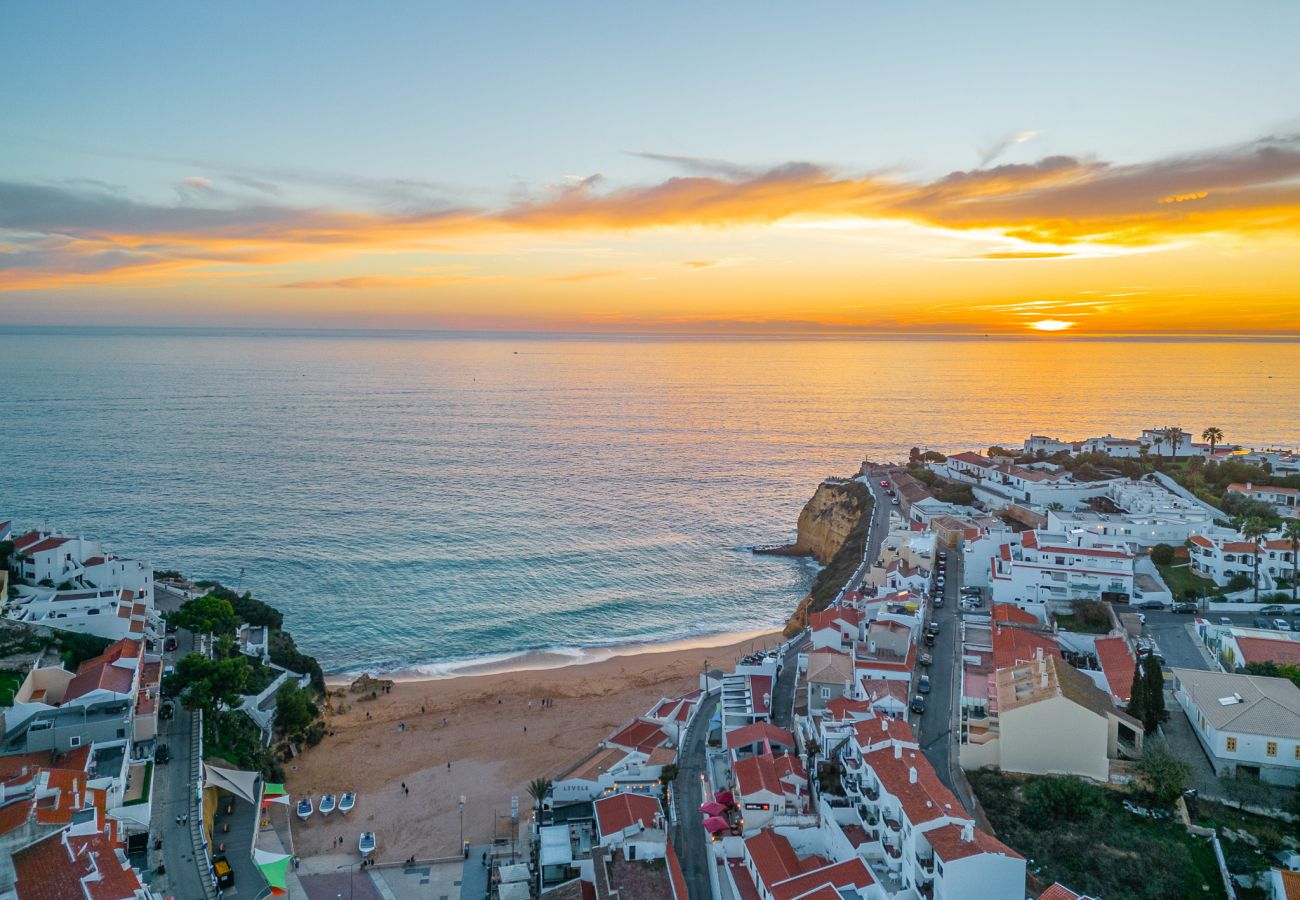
x=448, y=765
x=525, y=729
x=403, y=785
x=178, y=820
x=421, y=709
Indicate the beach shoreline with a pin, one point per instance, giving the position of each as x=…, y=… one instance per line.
x=557, y=657
x=413, y=748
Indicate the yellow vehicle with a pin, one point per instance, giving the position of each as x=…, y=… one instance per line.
x=225, y=875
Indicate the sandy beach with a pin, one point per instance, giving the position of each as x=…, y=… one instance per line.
x=491, y=746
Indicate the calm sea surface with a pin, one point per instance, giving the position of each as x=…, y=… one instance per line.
x=415, y=499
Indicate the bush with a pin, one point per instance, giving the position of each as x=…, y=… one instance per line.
x=293, y=708
x=74, y=649
x=1162, y=555
x=284, y=652
x=314, y=734
x=1239, y=582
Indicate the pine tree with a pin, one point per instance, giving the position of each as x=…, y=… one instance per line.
x=1137, y=696
x=1153, y=702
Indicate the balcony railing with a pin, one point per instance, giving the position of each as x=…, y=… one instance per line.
x=892, y=824
x=926, y=863
x=893, y=852
x=871, y=794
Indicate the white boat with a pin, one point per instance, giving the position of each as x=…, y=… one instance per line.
x=327, y=804
x=367, y=843
x=347, y=801
x=304, y=808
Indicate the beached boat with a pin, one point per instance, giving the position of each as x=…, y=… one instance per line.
x=348, y=801
x=327, y=804
x=367, y=843
x=304, y=808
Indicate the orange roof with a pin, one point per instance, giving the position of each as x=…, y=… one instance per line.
x=1118, y=664
x=100, y=673
x=844, y=708
x=774, y=857
x=879, y=688
x=1058, y=891
x=1200, y=541
x=883, y=728
x=948, y=844
x=1291, y=884
x=639, y=735
x=1009, y=612
x=850, y=873
x=14, y=815
x=924, y=799
x=675, y=874
x=760, y=731
x=755, y=774
x=1275, y=650
x=1017, y=645
x=615, y=813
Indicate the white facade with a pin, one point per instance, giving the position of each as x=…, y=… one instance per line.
x=1220, y=558
x=1247, y=725
x=1049, y=566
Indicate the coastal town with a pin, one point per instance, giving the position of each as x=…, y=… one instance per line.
x=1047, y=668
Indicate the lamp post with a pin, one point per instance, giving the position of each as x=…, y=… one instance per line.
x=461, y=807
x=351, y=871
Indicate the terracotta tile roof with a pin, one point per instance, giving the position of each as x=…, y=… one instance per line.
x=880, y=688
x=1291, y=884
x=639, y=735
x=1256, y=649
x=760, y=731
x=761, y=688
x=66, y=866
x=1009, y=612
x=1118, y=664
x=829, y=667
x=757, y=773
x=615, y=813
x=774, y=857
x=661, y=756
x=14, y=815
x=924, y=799
x=1200, y=541
x=844, y=708
x=850, y=873
x=1059, y=891
x=948, y=844
x=870, y=732
x=47, y=544
x=598, y=765
x=23, y=541
x=675, y=874
x=1016, y=645
x=101, y=673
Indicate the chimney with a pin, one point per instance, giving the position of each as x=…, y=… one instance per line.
x=884, y=724
x=968, y=832
x=911, y=775
x=898, y=751
x=1249, y=486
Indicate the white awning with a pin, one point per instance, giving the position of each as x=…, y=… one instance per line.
x=239, y=783
x=514, y=873
x=556, y=848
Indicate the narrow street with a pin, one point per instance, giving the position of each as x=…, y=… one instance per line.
x=691, y=841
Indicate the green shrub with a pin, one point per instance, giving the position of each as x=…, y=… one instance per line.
x=1162, y=555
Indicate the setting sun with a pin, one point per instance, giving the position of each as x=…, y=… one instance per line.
x=1051, y=325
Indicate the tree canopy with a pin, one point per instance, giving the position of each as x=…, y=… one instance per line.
x=208, y=614
x=206, y=684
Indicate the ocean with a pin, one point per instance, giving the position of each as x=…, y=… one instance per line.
x=434, y=501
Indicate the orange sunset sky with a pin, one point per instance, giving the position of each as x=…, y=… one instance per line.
x=460, y=170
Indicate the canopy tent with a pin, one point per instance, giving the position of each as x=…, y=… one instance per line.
x=712, y=808
x=714, y=824
x=241, y=784
x=275, y=793
x=275, y=869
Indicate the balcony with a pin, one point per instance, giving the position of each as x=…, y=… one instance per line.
x=893, y=852
x=871, y=794
x=893, y=824
x=926, y=863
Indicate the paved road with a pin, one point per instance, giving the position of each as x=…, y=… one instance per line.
x=879, y=527
x=937, y=732
x=690, y=841
x=173, y=790
x=783, y=695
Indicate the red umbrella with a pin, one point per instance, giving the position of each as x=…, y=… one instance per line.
x=713, y=808
x=725, y=798
x=714, y=824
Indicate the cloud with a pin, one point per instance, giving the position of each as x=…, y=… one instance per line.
x=1069, y=203
x=376, y=282
x=1002, y=145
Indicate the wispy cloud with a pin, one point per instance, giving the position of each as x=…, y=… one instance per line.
x=1063, y=204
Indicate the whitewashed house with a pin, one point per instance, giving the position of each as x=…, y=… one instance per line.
x=1248, y=725
x=1050, y=566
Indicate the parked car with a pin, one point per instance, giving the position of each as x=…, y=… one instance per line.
x=1275, y=609
x=938, y=601
x=162, y=755
x=884, y=484
x=932, y=628
x=167, y=710
x=894, y=501
x=170, y=644
x=918, y=704
x=1225, y=620
x=1184, y=607
x=1263, y=622
x=924, y=684
x=926, y=659
x=1150, y=604
x=1281, y=624
x=929, y=639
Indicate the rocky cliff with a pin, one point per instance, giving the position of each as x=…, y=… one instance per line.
x=826, y=521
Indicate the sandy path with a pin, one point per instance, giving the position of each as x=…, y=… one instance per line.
x=494, y=743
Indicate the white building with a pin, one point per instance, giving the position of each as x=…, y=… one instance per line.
x=1051, y=566
x=1285, y=500
x=914, y=831
x=70, y=583
x=1220, y=557
x=747, y=691
x=1247, y=725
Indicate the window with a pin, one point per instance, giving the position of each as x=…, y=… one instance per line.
x=74, y=741
x=1271, y=748
x=1297, y=751
x=826, y=693
x=1232, y=745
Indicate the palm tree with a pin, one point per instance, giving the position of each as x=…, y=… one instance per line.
x=1253, y=530
x=1174, y=436
x=538, y=788
x=1292, y=533
x=1157, y=441
x=1213, y=435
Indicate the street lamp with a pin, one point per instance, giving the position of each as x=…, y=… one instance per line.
x=351, y=872
x=461, y=807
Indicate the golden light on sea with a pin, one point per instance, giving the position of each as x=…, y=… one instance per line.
x=1051, y=325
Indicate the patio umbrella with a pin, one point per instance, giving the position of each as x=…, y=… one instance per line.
x=725, y=798
x=714, y=824
x=712, y=808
